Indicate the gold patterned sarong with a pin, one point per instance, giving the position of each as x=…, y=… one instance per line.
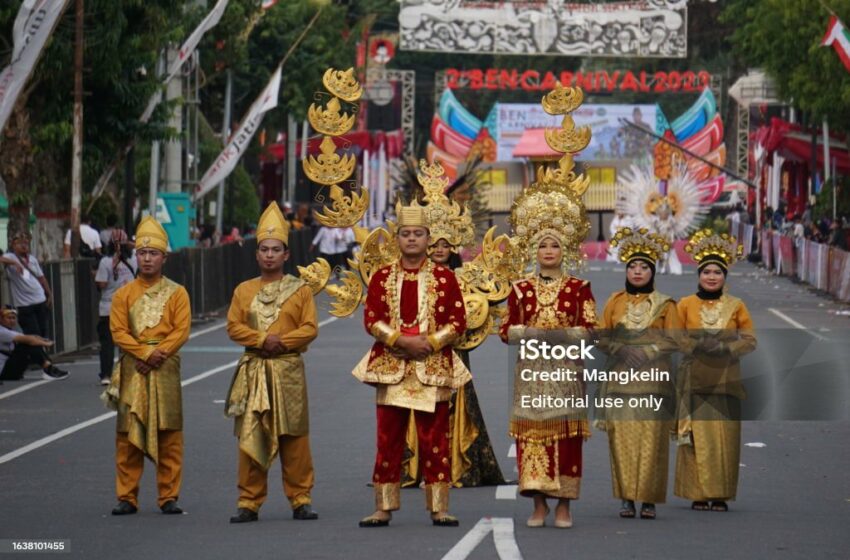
x=148, y=403
x=268, y=396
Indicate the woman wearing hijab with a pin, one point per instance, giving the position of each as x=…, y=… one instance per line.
x=719, y=332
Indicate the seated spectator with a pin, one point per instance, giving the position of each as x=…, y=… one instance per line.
x=17, y=348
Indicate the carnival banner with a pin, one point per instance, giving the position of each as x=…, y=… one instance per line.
x=611, y=138
x=227, y=159
x=33, y=25
x=641, y=28
x=599, y=81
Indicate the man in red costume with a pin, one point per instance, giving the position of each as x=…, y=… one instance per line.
x=414, y=309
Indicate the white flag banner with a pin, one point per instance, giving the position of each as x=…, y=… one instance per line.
x=188, y=46
x=186, y=50
x=34, y=24
x=227, y=159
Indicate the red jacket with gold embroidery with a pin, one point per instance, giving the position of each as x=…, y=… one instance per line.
x=400, y=302
x=575, y=307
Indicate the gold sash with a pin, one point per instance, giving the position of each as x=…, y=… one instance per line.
x=152, y=402
x=268, y=396
x=726, y=307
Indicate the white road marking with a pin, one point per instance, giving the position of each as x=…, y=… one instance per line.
x=506, y=492
x=26, y=387
x=503, y=537
x=40, y=382
x=97, y=419
x=794, y=323
x=512, y=450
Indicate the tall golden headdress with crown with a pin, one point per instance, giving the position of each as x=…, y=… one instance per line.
x=273, y=225
x=330, y=169
x=552, y=205
x=706, y=246
x=640, y=243
x=446, y=218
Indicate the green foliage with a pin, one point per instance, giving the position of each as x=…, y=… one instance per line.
x=783, y=37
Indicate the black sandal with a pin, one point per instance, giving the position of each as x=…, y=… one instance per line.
x=647, y=511
x=719, y=506
x=627, y=509
x=374, y=522
x=445, y=521
x=700, y=506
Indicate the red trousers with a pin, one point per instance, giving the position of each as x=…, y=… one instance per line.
x=432, y=430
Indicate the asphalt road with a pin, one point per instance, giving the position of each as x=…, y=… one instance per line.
x=57, y=470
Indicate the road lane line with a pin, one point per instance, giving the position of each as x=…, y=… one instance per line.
x=512, y=450
x=97, y=419
x=503, y=535
x=26, y=387
x=224, y=350
x=503, y=538
x=795, y=324
x=506, y=492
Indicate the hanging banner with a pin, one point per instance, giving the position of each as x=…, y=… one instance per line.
x=634, y=29
x=33, y=25
x=600, y=81
x=186, y=50
x=227, y=159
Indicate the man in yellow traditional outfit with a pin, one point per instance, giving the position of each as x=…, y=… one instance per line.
x=274, y=318
x=150, y=320
x=414, y=310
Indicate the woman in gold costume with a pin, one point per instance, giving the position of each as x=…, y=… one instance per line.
x=720, y=331
x=638, y=330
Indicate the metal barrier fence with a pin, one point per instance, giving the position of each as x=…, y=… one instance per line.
x=209, y=275
x=823, y=267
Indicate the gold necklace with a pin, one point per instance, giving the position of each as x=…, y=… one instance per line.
x=547, y=302
x=395, y=296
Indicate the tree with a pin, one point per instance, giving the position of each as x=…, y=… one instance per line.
x=123, y=42
x=783, y=37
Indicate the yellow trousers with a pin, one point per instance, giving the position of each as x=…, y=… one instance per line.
x=297, y=468
x=130, y=462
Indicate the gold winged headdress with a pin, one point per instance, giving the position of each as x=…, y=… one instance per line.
x=447, y=219
x=329, y=168
x=552, y=205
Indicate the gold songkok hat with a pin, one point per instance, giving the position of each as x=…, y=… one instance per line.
x=552, y=205
x=708, y=247
x=273, y=225
x=639, y=244
x=151, y=235
x=413, y=215
x=446, y=218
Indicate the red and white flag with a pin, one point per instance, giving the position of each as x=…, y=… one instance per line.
x=268, y=4
x=838, y=38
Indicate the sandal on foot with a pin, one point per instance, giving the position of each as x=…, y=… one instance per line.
x=373, y=522
x=719, y=506
x=647, y=511
x=700, y=506
x=445, y=521
x=535, y=523
x=627, y=510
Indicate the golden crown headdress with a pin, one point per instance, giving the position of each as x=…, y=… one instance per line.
x=552, y=205
x=706, y=246
x=633, y=244
x=329, y=168
x=447, y=219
